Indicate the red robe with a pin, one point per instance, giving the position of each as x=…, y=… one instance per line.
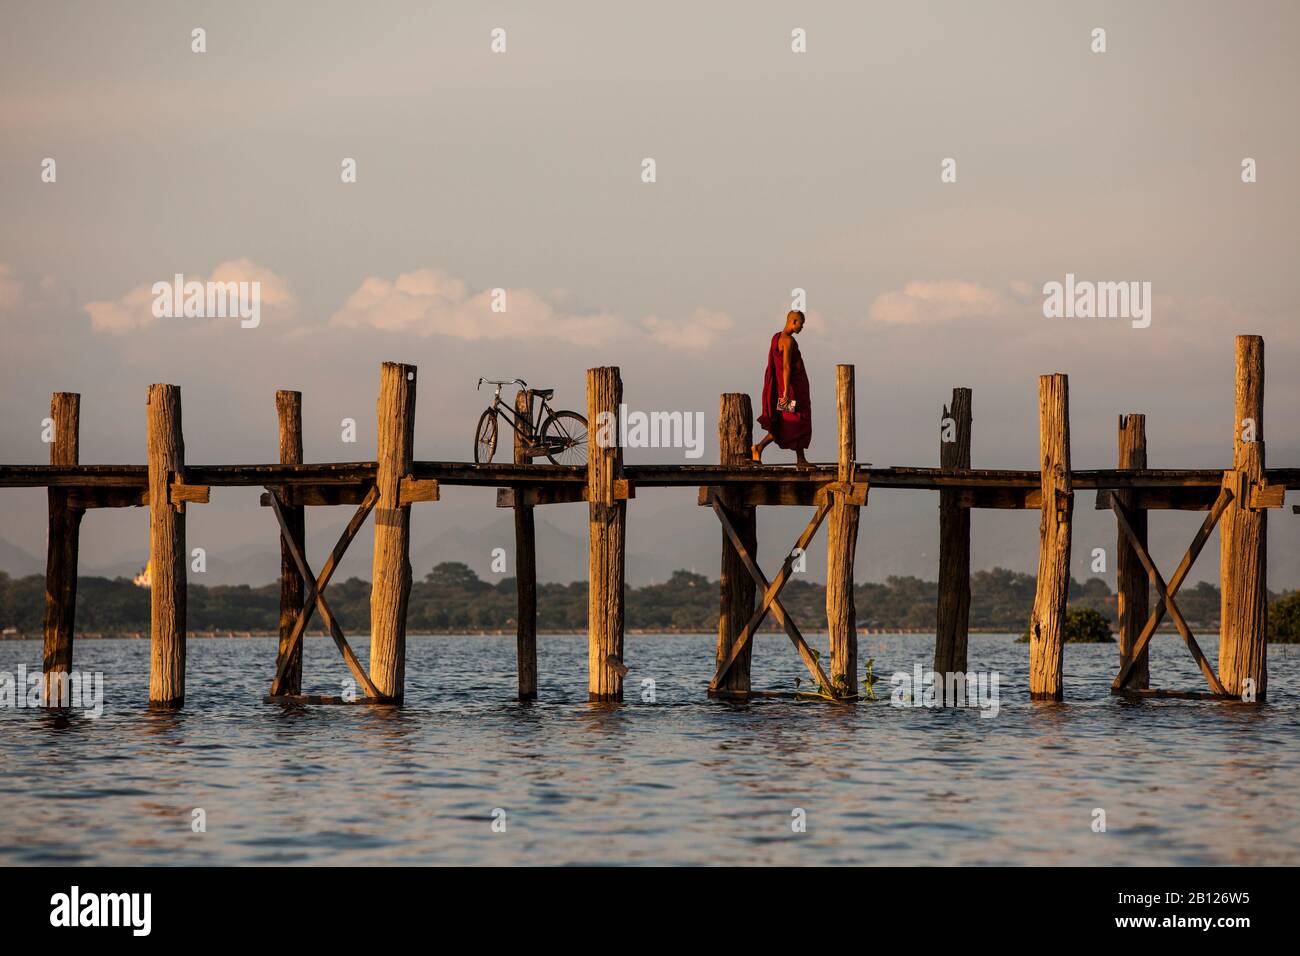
x=790, y=429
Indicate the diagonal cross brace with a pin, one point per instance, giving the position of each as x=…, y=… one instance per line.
x=315, y=597
x=1166, y=592
x=770, y=601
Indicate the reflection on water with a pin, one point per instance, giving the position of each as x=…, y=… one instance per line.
x=680, y=780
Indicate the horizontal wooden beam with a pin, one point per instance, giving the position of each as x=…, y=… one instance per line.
x=558, y=494
x=1164, y=499
x=1010, y=498
x=771, y=493
x=87, y=497
x=536, y=475
x=319, y=495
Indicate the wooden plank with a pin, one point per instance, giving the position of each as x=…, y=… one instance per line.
x=769, y=594
x=1175, y=582
x=535, y=475
x=411, y=490
x=542, y=495
x=315, y=597
x=778, y=610
x=1267, y=496
x=299, y=496
x=1167, y=601
x=1161, y=499
x=88, y=497
x=1023, y=499
x=180, y=492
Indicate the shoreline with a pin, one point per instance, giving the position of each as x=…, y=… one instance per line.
x=237, y=634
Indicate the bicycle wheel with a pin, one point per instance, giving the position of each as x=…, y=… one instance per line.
x=564, y=436
x=485, y=439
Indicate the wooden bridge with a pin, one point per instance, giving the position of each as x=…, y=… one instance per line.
x=1235, y=499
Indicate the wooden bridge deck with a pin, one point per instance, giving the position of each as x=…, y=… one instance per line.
x=645, y=476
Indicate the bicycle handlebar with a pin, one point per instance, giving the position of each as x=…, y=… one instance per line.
x=519, y=381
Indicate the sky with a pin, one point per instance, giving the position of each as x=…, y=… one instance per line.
x=775, y=170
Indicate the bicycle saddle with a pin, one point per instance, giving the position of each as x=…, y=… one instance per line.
x=545, y=394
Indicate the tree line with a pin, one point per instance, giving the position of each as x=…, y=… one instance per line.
x=452, y=597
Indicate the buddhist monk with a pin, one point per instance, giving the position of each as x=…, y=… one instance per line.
x=787, y=411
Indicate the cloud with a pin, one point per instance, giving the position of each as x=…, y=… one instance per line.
x=429, y=302
x=11, y=289
x=942, y=300
x=697, y=333
x=134, y=309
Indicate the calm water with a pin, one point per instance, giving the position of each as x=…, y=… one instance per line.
x=679, y=781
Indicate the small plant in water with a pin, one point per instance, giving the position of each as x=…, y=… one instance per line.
x=870, y=680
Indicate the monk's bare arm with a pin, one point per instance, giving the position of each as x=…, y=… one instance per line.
x=786, y=365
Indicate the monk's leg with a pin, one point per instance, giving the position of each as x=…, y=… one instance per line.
x=756, y=451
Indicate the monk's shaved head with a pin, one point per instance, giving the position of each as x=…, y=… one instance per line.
x=794, y=320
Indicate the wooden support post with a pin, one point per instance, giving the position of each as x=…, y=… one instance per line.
x=1046, y=627
x=293, y=589
x=736, y=585
x=391, y=574
x=953, y=619
x=1131, y=581
x=607, y=519
x=166, y=549
x=64, y=532
x=525, y=558
x=841, y=548
x=1243, y=616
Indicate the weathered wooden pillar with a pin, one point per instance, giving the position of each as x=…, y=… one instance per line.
x=1131, y=582
x=736, y=585
x=607, y=519
x=1243, y=617
x=166, y=549
x=525, y=557
x=391, y=574
x=293, y=590
x=1046, y=627
x=841, y=547
x=61, y=551
x=953, y=617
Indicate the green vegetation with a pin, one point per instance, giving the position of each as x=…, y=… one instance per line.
x=452, y=597
x=1284, y=620
x=1083, y=625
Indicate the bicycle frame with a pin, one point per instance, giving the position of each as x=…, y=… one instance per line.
x=514, y=419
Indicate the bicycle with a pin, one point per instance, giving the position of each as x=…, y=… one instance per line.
x=563, y=434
